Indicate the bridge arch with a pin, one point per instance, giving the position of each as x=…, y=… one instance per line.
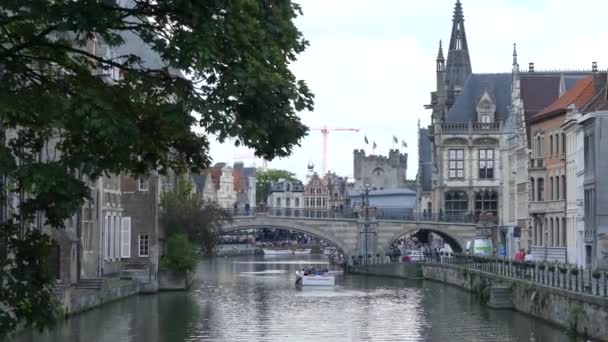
x=456, y=243
x=317, y=232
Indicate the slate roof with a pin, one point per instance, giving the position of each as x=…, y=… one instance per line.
x=199, y=182
x=249, y=171
x=600, y=100
x=541, y=89
x=579, y=94
x=425, y=158
x=499, y=88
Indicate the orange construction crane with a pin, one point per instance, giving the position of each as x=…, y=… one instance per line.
x=325, y=131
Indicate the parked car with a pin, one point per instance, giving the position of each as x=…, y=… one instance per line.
x=412, y=256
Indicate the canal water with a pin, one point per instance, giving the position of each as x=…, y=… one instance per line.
x=254, y=299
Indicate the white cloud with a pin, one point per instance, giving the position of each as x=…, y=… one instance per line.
x=371, y=63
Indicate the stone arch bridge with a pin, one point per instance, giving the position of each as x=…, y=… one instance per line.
x=348, y=234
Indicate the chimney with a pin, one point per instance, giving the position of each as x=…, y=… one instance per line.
x=531, y=67
x=594, y=66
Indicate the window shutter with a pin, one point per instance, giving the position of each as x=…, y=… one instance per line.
x=126, y=238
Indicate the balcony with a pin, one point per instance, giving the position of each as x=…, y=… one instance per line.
x=537, y=163
x=470, y=127
x=542, y=207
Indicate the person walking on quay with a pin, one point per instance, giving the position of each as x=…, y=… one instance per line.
x=519, y=260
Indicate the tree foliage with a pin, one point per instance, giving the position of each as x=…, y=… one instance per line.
x=265, y=177
x=186, y=212
x=66, y=117
x=23, y=269
x=180, y=254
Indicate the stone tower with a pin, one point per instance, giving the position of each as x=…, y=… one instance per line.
x=380, y=171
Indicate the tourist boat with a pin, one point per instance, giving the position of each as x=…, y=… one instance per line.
x=283, y=251
x=323, y=279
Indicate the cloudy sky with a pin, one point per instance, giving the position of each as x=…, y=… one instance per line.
x=371, y=64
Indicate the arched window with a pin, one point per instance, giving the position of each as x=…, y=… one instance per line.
x=564, y=231
x=541, y=189
x=486, y=201
x=557, y=188
x=456, y=203
x=532, y=185
x=539, y=147
x=551, y=145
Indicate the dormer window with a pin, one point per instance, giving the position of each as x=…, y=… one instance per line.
x=485, y=108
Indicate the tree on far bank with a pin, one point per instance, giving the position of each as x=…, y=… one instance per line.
x=90, y=88
x=186, y=212
x=265, y=177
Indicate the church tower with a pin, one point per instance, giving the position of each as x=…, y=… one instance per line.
x=458, y=66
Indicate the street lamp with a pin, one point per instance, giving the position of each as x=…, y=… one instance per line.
x=365, y=204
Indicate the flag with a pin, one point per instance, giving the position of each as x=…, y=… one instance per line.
x=395, y=140
x=374, y=145
x=366, y=142
x=403, y=143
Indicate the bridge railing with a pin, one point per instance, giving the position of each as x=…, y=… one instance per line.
x=557, y=275
x=377, y=213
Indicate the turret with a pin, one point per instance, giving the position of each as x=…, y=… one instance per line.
x=440, y=72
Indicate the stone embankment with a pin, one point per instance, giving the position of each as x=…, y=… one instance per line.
x=583, y=313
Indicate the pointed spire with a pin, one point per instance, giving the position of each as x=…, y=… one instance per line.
x=440, y=53
x=515, y=54
x=458, y=65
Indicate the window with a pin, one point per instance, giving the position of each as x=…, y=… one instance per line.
x=486, y=201
x=318, y=201
x=551, y=145
x=125, y=250
x=287, y=187
x=288, y=202
x=557, y=188
x=541, y=189
x=144, y=245
x=107, y=237
x=563, y=144
x=143, y=184
x=278, y=201
x=297, y=205
x=306, y=202
x=485, y=118
x=564, y=187
x=556, y=144
x=456, y=163
x=117, y=231
x=551, y=188
x=564, y=232
x=111, y=237
x=456, y=203
x=486, y=164
x=532, y=198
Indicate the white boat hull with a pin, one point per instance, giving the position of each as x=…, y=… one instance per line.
x=268, y=251
x=315, y=280
x=302, y=251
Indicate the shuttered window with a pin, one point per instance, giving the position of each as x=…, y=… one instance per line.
x=126, y=238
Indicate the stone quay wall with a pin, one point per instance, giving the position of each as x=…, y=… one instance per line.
x=392, y=270
x=584, y=313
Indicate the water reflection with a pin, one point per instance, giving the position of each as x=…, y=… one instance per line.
x=254, y=299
